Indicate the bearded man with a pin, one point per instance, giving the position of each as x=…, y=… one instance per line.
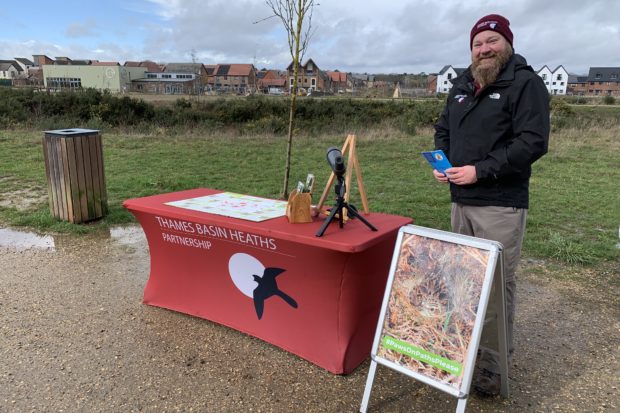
x=494, y=126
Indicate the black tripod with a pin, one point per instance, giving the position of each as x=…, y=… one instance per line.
x=341, y=204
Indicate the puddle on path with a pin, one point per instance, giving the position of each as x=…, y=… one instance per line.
x=23, y=240
x=20, y=240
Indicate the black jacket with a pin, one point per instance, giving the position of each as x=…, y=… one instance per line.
x=502, y=131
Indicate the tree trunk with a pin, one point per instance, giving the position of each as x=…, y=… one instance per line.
x=289, y=142
x=291, y=118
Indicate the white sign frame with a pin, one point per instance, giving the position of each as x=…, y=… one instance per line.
x=491, y=275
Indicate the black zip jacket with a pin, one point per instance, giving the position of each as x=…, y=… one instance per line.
x=502, y=131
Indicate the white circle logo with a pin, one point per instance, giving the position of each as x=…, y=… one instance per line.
x=242, y=268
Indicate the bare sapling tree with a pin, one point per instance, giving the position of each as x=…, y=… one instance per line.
x=296, y=16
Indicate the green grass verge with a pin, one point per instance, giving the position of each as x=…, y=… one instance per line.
x=574, y=206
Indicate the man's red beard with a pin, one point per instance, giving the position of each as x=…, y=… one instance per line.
x=486, y=69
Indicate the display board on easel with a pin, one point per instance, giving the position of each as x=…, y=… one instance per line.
x=434, y=307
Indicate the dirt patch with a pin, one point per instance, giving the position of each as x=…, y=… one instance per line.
x=75, y=336
x=23, y=198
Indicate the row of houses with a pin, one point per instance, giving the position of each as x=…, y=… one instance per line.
x=171, y=78
x=600, y=81
x=198, y=78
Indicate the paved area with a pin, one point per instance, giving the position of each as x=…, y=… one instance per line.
x=75, y=337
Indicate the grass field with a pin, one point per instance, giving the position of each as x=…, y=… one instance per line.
x=574, y=213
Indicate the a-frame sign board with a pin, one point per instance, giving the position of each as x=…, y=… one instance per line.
x=349, y=148
x=434, y=307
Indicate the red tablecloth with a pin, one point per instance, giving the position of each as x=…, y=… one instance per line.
x=317, y=297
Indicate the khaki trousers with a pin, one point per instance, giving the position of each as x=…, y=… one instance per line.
x=505, y=225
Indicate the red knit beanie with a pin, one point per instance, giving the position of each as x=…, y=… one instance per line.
x=493, y=22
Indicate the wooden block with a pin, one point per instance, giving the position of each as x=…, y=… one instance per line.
x=298, y=207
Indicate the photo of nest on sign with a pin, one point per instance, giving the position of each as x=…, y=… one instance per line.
x=433, y=303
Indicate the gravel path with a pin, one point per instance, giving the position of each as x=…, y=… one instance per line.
x=75, y=337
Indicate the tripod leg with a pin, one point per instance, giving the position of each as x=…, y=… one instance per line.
x=328, y=220
x=353, y=212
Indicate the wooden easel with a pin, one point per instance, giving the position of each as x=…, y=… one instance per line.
x=352, y=163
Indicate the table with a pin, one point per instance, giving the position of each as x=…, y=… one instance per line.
x=318, y=298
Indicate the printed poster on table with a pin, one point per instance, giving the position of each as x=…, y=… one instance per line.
x=233, y=205
x=432, y=307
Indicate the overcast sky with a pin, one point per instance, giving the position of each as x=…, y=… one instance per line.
x=373, y=36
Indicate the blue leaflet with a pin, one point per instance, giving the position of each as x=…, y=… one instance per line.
x=438, y=160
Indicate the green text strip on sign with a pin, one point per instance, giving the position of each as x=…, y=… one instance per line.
x=422, y=355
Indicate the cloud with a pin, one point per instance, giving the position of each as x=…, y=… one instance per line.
x=352, y=35
x=79, y=29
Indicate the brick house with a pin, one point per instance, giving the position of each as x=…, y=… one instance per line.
x=310, y=77
x=577, y=85
x=150, y=66
x=41, y=59
x=234, y=78
x=431, y=84
x=340, y=81
x=271, y=80
x=603, y=81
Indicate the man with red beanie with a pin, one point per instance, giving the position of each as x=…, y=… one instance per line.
x=494, y=126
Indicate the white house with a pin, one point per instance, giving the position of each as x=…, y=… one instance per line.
x=9, y=69
x=545, y=74
x=556, y=81
x=25, y=64
x=445, y=76
x=559, y=81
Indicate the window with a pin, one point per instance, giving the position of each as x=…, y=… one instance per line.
x=151, y=76
x=449, y=76
x=559, y=77
x=614, y=76
x=445, y=82
x=554, y=83
x=598, y=76
x=544, y=77
x=561, y=83
x=165, y=76
x=64, y=82
x=313, y=82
